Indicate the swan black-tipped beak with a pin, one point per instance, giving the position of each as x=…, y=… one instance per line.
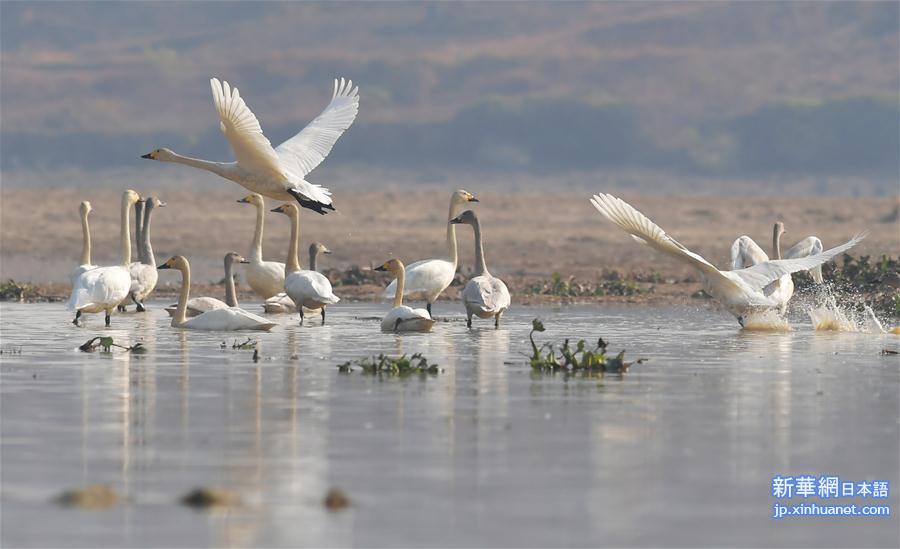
x=279, y=209
x=247, y=261
x=148, y=156
x=326, y=252
x=163, y=266
x=379, y=268
x=456, y=221
x=473, y=199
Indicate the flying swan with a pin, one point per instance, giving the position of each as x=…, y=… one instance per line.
x=485, y=295
x=741, y=291
x=278, y=173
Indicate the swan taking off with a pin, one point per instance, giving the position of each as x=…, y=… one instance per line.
x=747, y=253
x=198, y=305
x=485, y=295
x=102, y=288
x=278, y=172
x=265, y=277
x=741, y=291
x=431, y=277
x=305, y=288
x=403, y=318
x=228, y=319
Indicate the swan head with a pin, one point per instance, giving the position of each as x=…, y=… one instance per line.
x=466, y=218
x=85, y=208
x=287, y=209
x=391, y=265
x=175, y=262
x=462, y=196
x=252, y=198
x=779, y=229
x=130, y=198
x=234, y=257
x=318, y=248
x=154, y=202
x=165, y=155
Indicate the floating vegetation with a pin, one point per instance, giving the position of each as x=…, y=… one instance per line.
x=335, y=500
x=610, y=283
x=889, y=352
x=575, y=359
x=106, y=343
x=248, y=345
x=402, y=366
x=10, y=290
x=206, y=498
x=95, y=498
x=11, y=350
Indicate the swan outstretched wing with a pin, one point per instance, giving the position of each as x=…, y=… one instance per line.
x=306, y=150
x=810, y=245
x=758, y=276
x=746, y=253
x=242, y=130
x=646, y=232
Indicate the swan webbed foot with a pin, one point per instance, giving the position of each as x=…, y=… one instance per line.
x=107, y=318
x=741, y=321
x=140, y=307
x=497, y=321
x=300, y=310
x=121, y=308
x=77, y=316
x=469, y=321
x=323, y=316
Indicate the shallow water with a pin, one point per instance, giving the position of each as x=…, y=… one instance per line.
x=680, y=450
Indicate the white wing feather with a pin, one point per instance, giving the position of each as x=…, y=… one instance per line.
x=251, y=148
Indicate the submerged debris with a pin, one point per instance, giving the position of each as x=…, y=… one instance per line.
x=245, y=346
x=96, y=497
x=205, y=498
x=106, y=343
x=401, y=366
x=889, y=352
x=336, y=499
x=577, y=359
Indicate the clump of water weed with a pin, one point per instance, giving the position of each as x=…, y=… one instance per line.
x=10, y=290
x=206, y=498
x=611, y=283
x=575, y=359
x=95, y=498
x=336, y=499
x=402, y=366
x=248, y=345
x=106, y=343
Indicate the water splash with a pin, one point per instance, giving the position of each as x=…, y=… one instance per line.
x=832, y=317
x=766, y=321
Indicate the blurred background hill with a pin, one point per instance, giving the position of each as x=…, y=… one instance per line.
x=673, y=97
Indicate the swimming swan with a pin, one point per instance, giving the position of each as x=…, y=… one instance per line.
x=746, y=253
x=280, y=172
x=282, y=303
x=485, y=295
x=305, y=288
x=432, y=276
x=143, y=272
x=265, y=277
x=102, y=288
x=740, y=291
x=84, y=209
x=198, y=305
x=402, y=318
x=229, y=319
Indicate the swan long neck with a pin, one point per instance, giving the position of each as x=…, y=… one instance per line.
x=85, y=240
x=256, y=247
x=181, y=311
x=293, y=260
x=480, y=267
x=139, y=228
x=313, y=258
x=776, y=242
x=125, y=231
x=146, y=250
x=217, y=168
x=451, y=233
x=401, y=281
x=230, y=293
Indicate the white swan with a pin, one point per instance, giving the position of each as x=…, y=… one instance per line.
x=229, y=319
x=740, y=291
x=280, y=172
x=305, y=288
x=746, y=253
x=403, y=318
x=198, y=305
x=102, y=288
x=485, y=295
x=143, y=272
x=282, y=303
x=430, y=277
x=265, y=277
x=84, y=209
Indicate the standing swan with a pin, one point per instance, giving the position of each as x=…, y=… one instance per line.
x=281, y=303
x=485, y=295
x=143, y=272
x=85, y=210
x=746, y=253
x=432, y=276
x=102, y=288
x=280, y=172
x=229, y=319
x=305, y=288
x=403, y=318
x=265, y=277
x=198, y=305
x=740, y=291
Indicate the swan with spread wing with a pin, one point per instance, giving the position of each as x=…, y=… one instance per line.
x=278, y=172
x=740, y=291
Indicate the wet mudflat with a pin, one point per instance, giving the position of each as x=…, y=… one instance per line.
x=680, y=450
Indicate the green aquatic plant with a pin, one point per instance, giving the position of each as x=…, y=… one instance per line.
x=574, y=359
x=401, y=366
x=611, y=283
x=106, y=343
x=876, y=280
x=248, y=345
x=10, y=290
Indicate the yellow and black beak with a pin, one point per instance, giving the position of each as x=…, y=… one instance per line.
x=279, y=209
x=379, y=268
x=472, y=198
x=245, y=200
x=166, y=265
x=148, y=155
